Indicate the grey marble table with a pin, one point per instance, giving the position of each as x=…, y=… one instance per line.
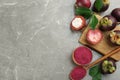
x=36, y=42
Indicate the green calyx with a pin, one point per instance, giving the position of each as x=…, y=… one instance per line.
x=106, y=22
x=112, y=69
x=105, y=62
x=105, y=69
x=108, y=66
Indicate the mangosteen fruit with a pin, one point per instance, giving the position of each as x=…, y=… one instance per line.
x=108, y=66
x=115, y=37
x=116, y=13
x=83, y=3
x=108, y=23
x=78, y=23
x=103, y=5
x=94, y=36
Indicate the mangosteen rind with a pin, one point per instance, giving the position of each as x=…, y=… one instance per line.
x=108, y=66
x=108, y=23
x=116, y=14
x=104, y=7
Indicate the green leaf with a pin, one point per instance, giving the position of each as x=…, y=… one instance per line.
x=83, y=11
x=95, y=73
x=98, y=76
x=98, y=4
x=94, y=70
x=93, y=22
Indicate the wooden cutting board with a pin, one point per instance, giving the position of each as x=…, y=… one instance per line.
x=104, y=46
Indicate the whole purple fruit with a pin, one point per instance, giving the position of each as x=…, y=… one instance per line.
x=116, y=13
x=108, y=66
x=108, y=23
x=103, y=7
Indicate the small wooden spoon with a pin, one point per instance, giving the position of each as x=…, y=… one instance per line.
x=102, y=58
x=85, y=68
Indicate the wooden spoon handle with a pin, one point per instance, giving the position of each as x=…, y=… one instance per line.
x=104, y=57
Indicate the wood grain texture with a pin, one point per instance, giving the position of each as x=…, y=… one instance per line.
x=104, y=46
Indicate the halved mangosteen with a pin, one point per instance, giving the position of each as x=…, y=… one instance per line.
x=115, y=37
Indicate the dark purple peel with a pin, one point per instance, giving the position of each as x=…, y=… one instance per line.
x=108, y=27
x=109, y=68
x=103, y=9
x=116, y=14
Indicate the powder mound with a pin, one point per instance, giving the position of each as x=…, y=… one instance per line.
x=77, y=73
x=82, y=55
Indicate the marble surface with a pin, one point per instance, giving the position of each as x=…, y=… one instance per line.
x=36, y=42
